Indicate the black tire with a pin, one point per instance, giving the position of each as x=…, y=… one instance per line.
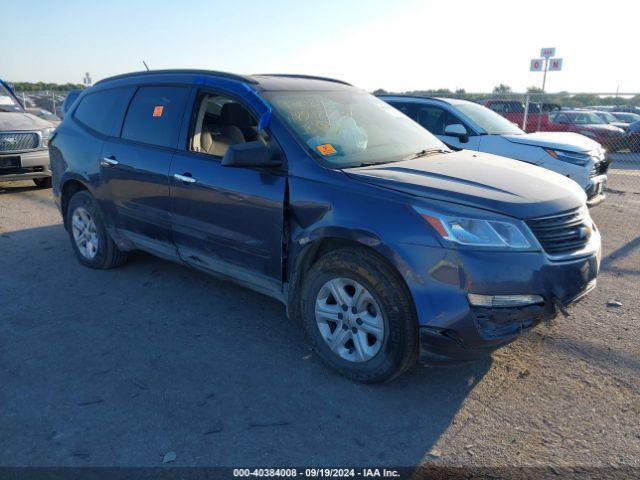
x=44, y=182
x=108, y=254
x=400, y=347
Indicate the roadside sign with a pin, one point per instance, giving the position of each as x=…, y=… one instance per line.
x=555, y=64
x=548, y=52
x=536, y=64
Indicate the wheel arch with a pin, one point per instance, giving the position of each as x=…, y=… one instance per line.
x=69, y=188
x=313, y=247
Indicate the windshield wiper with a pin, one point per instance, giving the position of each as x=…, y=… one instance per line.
x=421, y=153
x=426, y=152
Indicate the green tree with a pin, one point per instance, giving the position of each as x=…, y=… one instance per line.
x=502, y=88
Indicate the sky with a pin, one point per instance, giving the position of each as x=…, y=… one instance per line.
x=396, y=45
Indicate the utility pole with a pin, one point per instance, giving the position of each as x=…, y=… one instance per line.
x=544, y=76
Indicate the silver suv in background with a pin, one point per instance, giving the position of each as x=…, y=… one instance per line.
x=24, y=142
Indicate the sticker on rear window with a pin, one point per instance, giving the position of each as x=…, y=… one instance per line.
x=326, y=149
x=157, y=110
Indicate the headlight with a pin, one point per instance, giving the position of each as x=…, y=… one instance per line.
x=46, y=135
x=478, y=232
x=571, y=157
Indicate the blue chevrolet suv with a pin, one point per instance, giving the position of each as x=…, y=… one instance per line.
x=378, y=238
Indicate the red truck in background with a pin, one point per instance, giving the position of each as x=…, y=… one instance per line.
x=537, y=118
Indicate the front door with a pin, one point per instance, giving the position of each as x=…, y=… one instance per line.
x=228, y=220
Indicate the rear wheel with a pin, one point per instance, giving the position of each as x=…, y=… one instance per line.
x=92, y=244
x=44, y=182
x=359, y=316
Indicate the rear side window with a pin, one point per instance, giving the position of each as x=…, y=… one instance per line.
x=99, y=111
x=154, y=115
x=406, y=108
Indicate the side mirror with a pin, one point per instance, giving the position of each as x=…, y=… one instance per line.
x=457, y=130
x=249, y=154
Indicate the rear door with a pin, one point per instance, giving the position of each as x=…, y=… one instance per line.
x=135, y=166
x=227, y=220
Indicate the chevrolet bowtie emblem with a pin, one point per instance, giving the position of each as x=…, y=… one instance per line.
x=585, y=231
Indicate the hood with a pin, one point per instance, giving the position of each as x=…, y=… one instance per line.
x=478, y=180
x=606, y=129
x=622, y=125
x=568, y=141
x=18, y=121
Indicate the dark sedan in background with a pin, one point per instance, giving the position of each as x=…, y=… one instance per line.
x=589, y=124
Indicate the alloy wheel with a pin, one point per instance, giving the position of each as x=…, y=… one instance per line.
x=85, y=233
x=349, y=319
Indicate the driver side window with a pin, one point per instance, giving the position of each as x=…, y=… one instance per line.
x=560, y=118
x=435, y=119
x=219, y=123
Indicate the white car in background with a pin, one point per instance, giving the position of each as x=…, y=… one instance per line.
x=467, y=125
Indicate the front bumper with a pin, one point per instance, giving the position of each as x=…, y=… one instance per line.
x=449, y=325
x=595, y=191
x=25, y=166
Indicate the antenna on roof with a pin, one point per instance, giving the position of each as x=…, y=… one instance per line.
x=145, y=65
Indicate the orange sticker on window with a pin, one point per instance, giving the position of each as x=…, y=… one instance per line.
x=326, y=149
x=157, y=110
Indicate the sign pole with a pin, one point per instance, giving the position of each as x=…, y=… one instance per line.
x=553, y=64
x=544, y=82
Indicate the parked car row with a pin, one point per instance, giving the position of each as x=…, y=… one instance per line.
x=608, y=127
x=380, y=238
x=467, y=125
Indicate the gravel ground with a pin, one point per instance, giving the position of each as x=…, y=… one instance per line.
x=120, y=367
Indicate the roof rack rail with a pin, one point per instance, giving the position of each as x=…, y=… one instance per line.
x=422, y=97
x=308, y=77
x=231, y=76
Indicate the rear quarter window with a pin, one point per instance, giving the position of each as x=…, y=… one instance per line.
x=101, y=111
x=155, y=114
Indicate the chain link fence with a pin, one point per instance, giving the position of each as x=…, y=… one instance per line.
x=47, y=100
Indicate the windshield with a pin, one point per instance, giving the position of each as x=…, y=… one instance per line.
x=348, y=128
x=626, y=117
x=488, y=120
x=8, y=102
x=585, y=118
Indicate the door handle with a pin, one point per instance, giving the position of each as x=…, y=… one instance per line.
x=109, y=162
x=186, y=178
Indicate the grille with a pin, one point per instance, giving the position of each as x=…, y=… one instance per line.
x=13, y=142
x=563, y=233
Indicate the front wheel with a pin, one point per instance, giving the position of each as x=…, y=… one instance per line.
x=359, y=317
